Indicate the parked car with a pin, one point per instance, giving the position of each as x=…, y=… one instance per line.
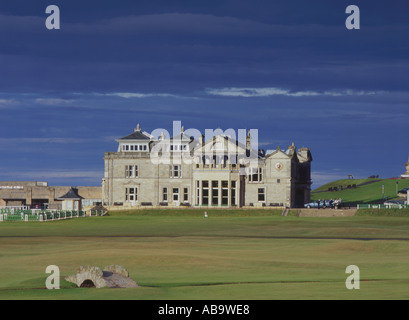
x=310, y=205
x=394, y=202
x=324, y=204
x=314, y=204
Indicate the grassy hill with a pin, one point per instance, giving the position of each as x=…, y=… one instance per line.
x=366, y=191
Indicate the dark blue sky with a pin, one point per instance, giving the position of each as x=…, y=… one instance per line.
x=288, y=68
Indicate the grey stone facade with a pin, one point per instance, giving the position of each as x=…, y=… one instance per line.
x=219, y=172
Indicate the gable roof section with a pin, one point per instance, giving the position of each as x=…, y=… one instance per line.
x=225, y=140
x=278, y=151
x=137, y=135
x=181, y=137
x=230, y=146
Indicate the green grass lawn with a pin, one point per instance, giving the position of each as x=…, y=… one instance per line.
x=230, y=255
x=370, y=193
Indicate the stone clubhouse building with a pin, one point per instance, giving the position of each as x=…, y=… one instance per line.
x=217, y=172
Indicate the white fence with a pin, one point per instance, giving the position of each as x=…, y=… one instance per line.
x=38, y=215
x=383, y=206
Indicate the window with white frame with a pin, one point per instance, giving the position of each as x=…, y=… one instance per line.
x=175, y=194
x=205, y=192
x=225, y=193
x=261, y=194
x=131, y=194
x=233, y=193
x=255, y=175
x=133, y=147
x=185, y=194
x=197, y=193
x=165, y=194
x=175, y=171
x=215, y=193
x=131, y=171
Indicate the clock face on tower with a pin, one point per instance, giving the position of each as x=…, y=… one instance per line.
x=278, y=166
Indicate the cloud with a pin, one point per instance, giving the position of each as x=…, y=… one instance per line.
x=54, y=174
x=43, y=140
x=171, y=23
x=54, y=101
x=5, y=103
x=266, y=92
x=140, y=95
x=31, y=24
x=128, y=95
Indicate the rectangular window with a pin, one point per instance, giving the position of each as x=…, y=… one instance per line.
x=278, y=180
x=225, y=193
x=175, y=194
x=197, y=193
x=185, y=194
x=205, y=193
x=215, y=193
x=261, y=194
x=165, y=194
x=175, y=171
x=131, y=171
x=233, y=193
x=128, y=170
x=255, y=175
x=132, y=147
x=131, y=194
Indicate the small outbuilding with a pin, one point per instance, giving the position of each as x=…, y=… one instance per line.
x=71, y=200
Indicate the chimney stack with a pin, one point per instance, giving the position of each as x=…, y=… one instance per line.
x=248, y=141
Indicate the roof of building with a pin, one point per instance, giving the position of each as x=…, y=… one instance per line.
x=138, y=134
x=181, y=137
x=71, y=194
